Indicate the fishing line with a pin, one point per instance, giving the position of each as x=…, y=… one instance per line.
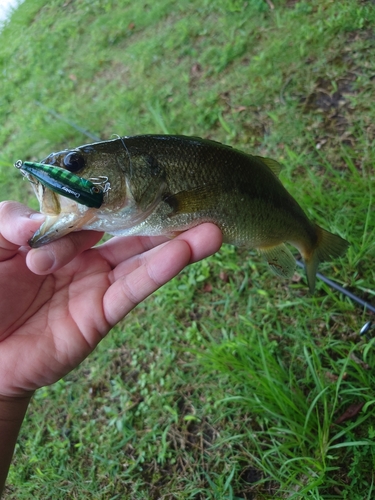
x=69, y=122
x=83, y=131
x=127, y=152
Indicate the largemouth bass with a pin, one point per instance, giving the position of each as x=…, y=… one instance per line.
x=165, y=184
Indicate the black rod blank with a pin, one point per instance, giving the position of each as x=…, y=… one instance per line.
x=342, y=290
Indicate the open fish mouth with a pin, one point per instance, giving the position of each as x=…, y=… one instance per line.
x=57, y=226
x=65, y=198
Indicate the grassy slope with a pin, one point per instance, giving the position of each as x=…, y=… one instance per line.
x=243, y=377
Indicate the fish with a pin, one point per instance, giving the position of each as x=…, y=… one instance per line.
x=153, y=185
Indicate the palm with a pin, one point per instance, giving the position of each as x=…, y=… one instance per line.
x=62, y=320
x=51, y=322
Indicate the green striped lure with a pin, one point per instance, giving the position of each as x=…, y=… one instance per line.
x=63, y=182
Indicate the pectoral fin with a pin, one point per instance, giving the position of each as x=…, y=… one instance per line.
x=280, y=260
x=193, y=200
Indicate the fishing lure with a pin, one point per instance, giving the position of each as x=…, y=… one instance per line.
x=64, y=182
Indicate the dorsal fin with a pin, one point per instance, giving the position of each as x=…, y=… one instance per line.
x=271, y=164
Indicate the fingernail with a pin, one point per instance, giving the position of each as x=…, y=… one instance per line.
x=42, y=260
x=37, y=216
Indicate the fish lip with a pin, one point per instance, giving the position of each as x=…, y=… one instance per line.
x=58, y=225
x=50, y=230
x=38, y=240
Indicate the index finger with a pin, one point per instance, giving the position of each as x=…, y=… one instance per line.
x=141, y=276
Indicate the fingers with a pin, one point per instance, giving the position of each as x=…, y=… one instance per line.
x=155, y=270
x=117, y=250
x=144, y=274
x=17, y=224
x=201, y=239
x=204, y=240
x=55, y=255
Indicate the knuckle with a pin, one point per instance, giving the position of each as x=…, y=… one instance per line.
x=129, y=292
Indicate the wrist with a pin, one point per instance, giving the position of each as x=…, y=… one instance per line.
x=13, y=409
x=12, y=413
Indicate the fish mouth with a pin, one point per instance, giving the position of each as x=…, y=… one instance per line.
x=63, y=216
x=66, y=199
x=56, y=226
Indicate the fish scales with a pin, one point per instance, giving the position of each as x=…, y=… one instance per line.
x=225, y=186
x=163, y=184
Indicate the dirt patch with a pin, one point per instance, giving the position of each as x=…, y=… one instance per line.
x=331, y=103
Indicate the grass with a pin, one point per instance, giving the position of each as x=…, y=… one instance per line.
x=239, y=391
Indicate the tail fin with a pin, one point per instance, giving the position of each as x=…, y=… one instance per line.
x=328, y=245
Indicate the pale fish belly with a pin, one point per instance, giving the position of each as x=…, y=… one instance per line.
x=251, y=228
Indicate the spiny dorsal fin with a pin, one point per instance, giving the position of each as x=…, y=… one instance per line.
x=271, y=164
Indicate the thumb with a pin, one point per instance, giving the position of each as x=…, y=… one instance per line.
x=17, y=224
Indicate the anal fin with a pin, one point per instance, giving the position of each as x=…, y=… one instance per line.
x=280, y=260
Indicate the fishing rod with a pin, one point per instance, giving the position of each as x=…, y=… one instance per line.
x=335, y=286
x=366, y=305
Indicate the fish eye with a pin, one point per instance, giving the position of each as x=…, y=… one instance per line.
x=74, y=161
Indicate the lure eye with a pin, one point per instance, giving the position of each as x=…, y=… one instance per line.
x=96, y=190
x=74, y=161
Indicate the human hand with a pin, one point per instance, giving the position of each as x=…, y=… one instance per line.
x=59, y=301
